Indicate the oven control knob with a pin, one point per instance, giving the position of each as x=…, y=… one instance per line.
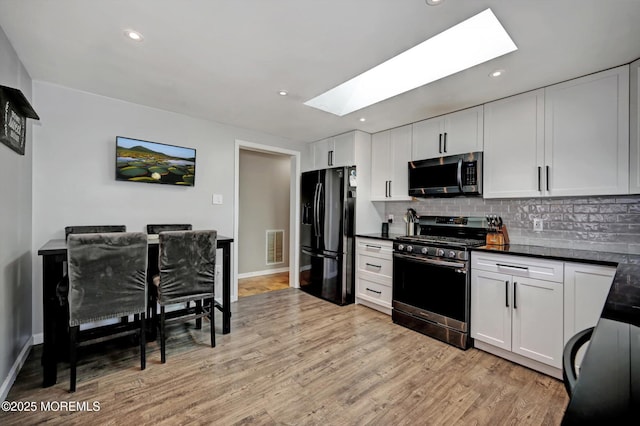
x=400, y=247
x=424, y=250
x=439, y=252
x=409, y=249
x=452, y=254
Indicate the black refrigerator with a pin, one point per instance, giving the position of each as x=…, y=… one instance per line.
x=327, y=233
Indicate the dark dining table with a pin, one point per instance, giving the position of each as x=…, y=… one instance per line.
x=54, y=254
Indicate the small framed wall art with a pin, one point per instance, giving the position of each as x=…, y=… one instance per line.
x=15, y=109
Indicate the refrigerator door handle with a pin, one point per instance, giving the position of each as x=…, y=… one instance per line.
x=315, y=210
x=317, y=215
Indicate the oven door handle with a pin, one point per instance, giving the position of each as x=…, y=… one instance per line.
x=445, y=263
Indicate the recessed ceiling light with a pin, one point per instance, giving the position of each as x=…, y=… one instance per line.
x=496, y=73
x=434, y=2
x=363, y=119
x=282, y=93
x=133, y=35
x=469, y=43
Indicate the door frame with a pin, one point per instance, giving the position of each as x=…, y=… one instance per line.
x=294, y=208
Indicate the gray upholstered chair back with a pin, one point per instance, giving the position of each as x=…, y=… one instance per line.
x=187, y=262
x=107, y=276
x=92, y=229
x=158, y=228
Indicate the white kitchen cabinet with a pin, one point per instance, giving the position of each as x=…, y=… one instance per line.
x=634, y=127
x=587, y=135
x=586, y=288
x=335, y=151
x=390, y=155
x=514, y=146
x=564, y=140
x=456, y=133
x=374, y=273
x=517, y=309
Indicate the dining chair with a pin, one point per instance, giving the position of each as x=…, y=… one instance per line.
x=569, y=370
x=187, y=262
x=158, y=228
x=92, y=229
x=152, y=269
x=107, y=279
x=62, y=289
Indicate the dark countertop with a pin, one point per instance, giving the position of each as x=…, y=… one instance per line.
x=379, y=236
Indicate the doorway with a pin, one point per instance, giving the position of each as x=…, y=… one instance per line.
x=265, y=228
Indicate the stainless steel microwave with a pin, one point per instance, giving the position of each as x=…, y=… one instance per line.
x=446, y=176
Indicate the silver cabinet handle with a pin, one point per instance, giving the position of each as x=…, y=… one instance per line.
x=522, y=268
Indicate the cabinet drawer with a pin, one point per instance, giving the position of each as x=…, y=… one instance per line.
x=520, y=266
x=374, y=292
x=375, y=265
x=375, y=248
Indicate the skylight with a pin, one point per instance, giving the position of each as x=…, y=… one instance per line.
x=469, y=43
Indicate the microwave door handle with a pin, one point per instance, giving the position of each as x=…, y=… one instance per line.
x=460, y=175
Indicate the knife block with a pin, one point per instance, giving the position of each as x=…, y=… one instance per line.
x=500, y=237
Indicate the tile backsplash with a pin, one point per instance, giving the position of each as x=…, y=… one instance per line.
x=608, y=223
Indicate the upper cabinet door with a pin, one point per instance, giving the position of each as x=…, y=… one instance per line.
x=380, y=166
x=427, y=139
x=463, y=131
x=400, y=155
x=587, y=135
x=514, y=146
x=634, y=128
x=456, y=133
x=390, y=155
x=321, y=153
x=343, y=150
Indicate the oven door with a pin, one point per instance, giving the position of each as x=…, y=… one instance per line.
x=432, y=289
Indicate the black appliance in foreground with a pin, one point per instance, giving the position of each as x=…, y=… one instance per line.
x=327, y=233
x=431, y=279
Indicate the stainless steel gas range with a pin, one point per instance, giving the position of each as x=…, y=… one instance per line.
x=431, y=280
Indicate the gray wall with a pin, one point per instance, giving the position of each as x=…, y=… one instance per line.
x=609, y=223
x=74, y=169
x=263, y=204
x=15, y=232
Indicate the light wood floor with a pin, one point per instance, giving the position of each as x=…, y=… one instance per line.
x=263, y=284
x=293, y=359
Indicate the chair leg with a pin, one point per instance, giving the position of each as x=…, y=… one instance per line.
x=163, y=357
x=73, y=337
x=143, y=342
x=212, y=322
x=198, y=312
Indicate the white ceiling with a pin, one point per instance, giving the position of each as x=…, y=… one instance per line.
x=226, y=60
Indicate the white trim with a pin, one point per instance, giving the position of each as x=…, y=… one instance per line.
x=261, y=273
x=38, y=339
x=294, y=209
x=15, y=369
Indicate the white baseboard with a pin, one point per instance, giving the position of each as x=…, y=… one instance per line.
x=38, y=339
x=15, y=369
x=261, y=273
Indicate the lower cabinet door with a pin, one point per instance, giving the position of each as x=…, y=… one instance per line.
x=491, y=308
x=538, y=320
